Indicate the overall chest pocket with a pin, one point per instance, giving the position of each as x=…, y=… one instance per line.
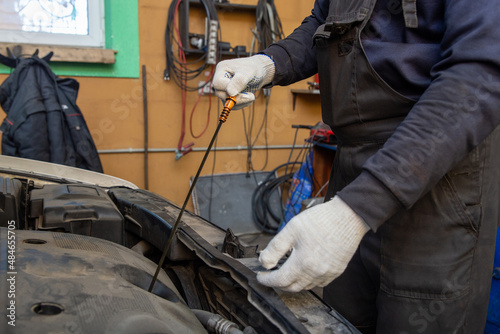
x=355, y=94
x=335, y=43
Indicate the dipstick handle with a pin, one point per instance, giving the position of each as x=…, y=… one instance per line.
x=228, y=106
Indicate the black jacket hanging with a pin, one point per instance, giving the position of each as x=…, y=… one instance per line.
x=43, y=121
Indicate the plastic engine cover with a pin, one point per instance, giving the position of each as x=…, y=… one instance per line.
x=78, y=209
x=10, y=199
x=66, y=283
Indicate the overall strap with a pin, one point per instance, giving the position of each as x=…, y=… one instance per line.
x=410, y=13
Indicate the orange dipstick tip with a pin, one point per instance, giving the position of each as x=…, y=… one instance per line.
x=230, y=102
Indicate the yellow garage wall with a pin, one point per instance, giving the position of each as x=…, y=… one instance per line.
x=113, y=109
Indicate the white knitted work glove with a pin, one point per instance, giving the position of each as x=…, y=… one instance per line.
x=242, y=77
x=323, y=240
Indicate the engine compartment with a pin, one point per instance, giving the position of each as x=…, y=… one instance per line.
x=86, y=255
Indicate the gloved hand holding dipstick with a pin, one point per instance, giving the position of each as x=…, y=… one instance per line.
x=242, y=77
x=324, y=238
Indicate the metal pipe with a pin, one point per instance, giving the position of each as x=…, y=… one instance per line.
x=200, y=149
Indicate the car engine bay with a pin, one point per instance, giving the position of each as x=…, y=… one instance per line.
x=85, y=255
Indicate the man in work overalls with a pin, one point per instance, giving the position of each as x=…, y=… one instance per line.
x=411, y=89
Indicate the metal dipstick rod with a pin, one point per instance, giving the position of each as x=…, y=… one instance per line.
x=230, y=102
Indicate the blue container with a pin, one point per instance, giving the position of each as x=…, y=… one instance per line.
x=493, y=322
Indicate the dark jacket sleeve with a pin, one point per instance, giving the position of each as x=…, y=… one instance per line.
x=460, y=108
x=295, y=56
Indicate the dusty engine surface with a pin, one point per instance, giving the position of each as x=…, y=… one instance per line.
x=72, y=275
x=68, y=283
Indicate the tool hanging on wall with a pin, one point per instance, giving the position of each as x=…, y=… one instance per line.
x=228, y=106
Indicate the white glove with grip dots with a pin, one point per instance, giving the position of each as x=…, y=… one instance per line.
x=323, y=240
x=242, y=77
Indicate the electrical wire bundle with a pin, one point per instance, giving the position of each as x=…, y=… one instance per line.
x=177, y=65
x=183, y=71
x=267, y=31
x=268, y=28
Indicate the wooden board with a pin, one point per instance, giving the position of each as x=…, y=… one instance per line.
x=64, y=54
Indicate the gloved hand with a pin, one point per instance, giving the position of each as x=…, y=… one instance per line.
x=242, y=77
x=323, y=240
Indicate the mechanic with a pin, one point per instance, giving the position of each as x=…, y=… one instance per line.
x=411, y=89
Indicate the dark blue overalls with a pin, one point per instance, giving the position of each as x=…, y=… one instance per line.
x=427, y=269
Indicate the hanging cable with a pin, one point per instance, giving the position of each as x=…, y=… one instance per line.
x=268, y=29
x=182, y=71
x=200, y=93
x=248, y=130
x=181, y=78
x=176, y=66
x=264, y=126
